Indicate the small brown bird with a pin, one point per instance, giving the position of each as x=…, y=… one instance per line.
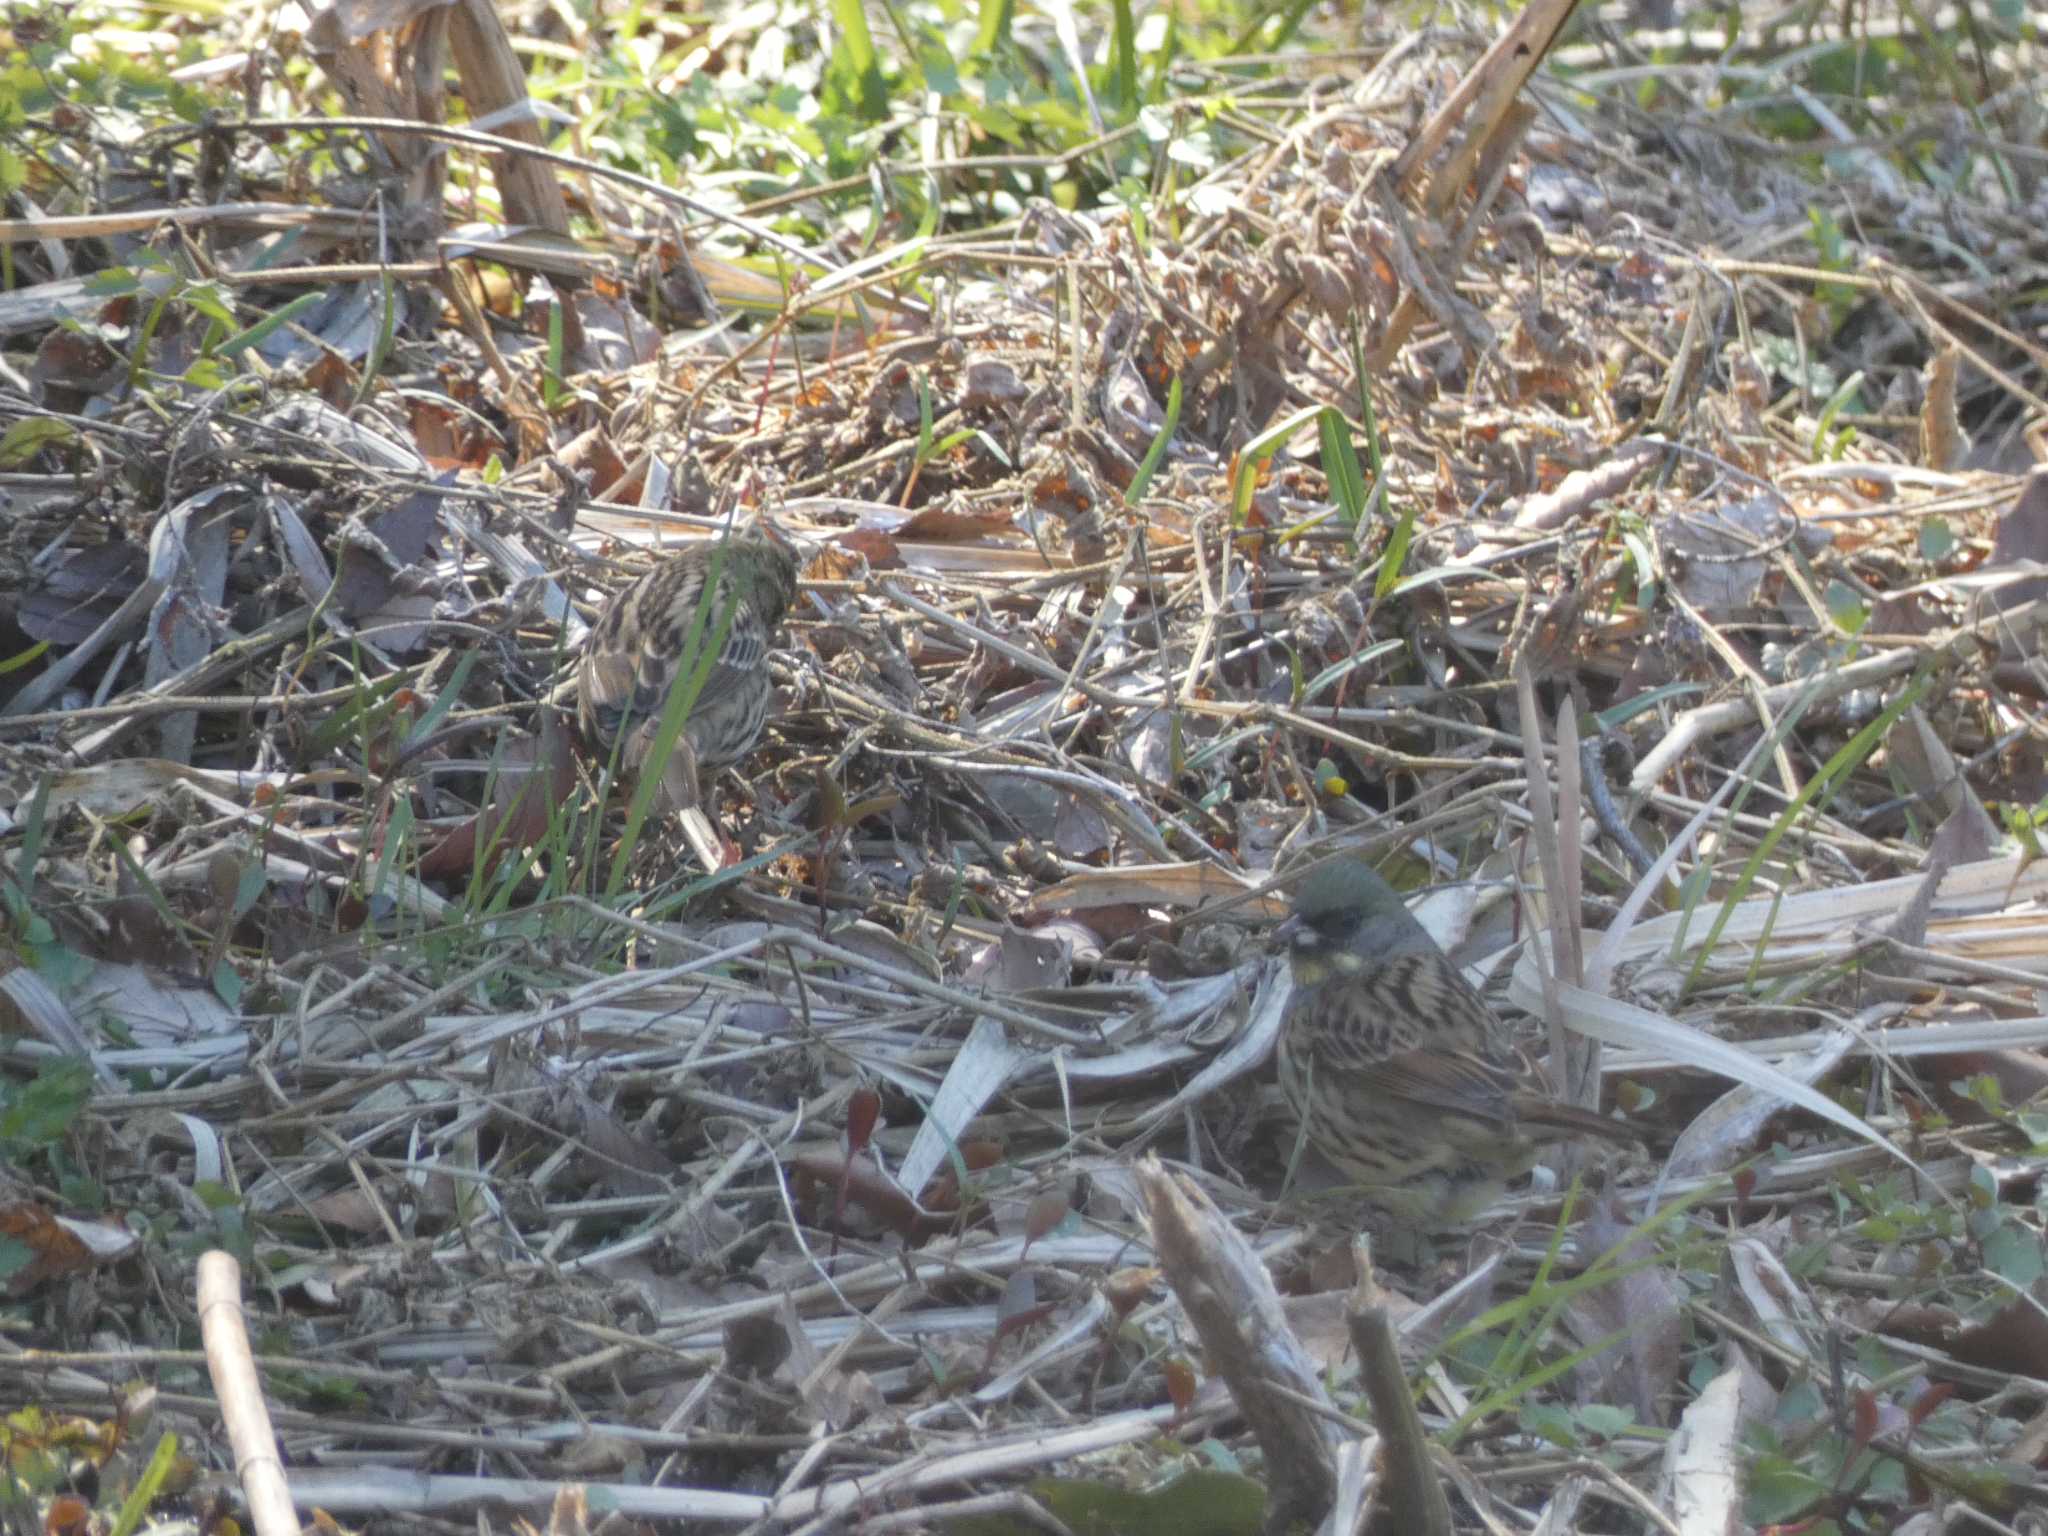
x=1396, y=1069
x=641, y=645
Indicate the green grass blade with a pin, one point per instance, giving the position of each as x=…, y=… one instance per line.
x=1157, y=451
x=1838, y=767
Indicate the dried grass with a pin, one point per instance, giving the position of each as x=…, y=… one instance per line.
x=550, y=1180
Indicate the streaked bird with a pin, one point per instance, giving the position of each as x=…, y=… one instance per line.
x=642, y=643
x=1395, y=1068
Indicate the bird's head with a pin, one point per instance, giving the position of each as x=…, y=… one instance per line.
x=1345, y=915
x=765, y=564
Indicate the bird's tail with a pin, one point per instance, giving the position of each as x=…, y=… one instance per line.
x=1534, y=1110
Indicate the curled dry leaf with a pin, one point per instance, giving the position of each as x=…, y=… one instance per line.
x=1044, y=1215
x=756, y=1345
x=851, y=555
x=1153, y=885
x=843, y=1184
x=55, y=1246
x=1127, y=1287
x=863, y=1113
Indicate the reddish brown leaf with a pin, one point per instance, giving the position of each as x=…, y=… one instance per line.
x=333, y=380
x=71, y=367
x=1918, y=1323
x=57, y=1251
x=857, y=1181
x=1931, y=1396
x=979, y=1156
x=844, y=557
x=863, y=1110
x=943, y=1193
x=1866, y=1417
x=934, y=524
x=445, y=438
x=1044, y=1214
x=347, y=1209
x=1127, y=1287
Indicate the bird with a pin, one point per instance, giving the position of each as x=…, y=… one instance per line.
x=649, y=636
x=1393, y=1066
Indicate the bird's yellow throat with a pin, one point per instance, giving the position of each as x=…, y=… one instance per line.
x=1313, y=968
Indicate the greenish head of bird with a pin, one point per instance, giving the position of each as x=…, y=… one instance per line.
x=1345, y=918
x=764, y=567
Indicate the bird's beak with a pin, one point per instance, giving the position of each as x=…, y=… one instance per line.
x=1288, y=931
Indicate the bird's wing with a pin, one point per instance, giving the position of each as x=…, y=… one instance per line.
x=1452, y=1082
x=1431, y=1004
x=741, y=651
x=1468, y=1065
x=1389, y=1027
x=1410, y=1028
x=1391, y=1007
x=607, y=689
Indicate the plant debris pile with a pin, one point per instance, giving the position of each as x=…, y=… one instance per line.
x=1610, y=530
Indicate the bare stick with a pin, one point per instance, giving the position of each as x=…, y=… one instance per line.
x=1415, y=1499
x=242, y=1409
x=1227, y=1294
